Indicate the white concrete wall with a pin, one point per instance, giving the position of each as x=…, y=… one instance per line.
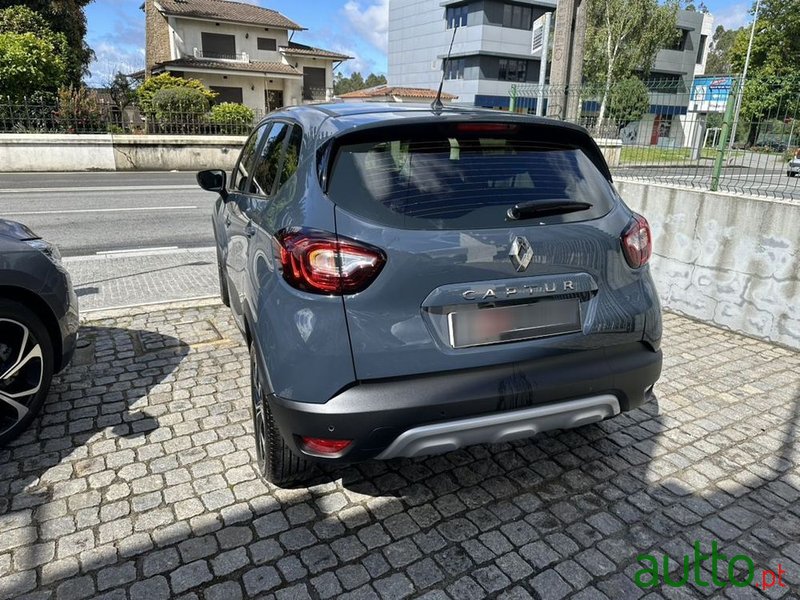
x=56, y=152
x=725, y=259
x=61, y=152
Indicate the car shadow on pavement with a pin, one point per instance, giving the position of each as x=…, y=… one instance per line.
x=174, y=506
x=95, y=402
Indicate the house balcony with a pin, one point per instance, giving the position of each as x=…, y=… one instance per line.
x=238, y=57
x=317, y=94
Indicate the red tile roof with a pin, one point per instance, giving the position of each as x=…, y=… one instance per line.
x=302, y=50
x=231, y=12
x=385, y=90
x=218, y=65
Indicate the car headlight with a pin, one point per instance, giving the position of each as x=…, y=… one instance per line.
x=46, y=248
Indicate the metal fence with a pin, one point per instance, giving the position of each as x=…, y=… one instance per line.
x=687, y=134
x=47, y=117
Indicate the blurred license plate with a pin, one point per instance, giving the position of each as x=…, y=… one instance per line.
x=479, y=327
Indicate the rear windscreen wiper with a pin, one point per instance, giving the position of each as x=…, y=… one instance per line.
x=546, y=208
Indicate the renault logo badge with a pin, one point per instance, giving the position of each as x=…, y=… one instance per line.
x=521, y=253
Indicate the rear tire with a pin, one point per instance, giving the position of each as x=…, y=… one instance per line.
x=26, y=368
x=277, y=463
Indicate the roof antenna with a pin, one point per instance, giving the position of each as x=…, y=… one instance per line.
x=437, y=105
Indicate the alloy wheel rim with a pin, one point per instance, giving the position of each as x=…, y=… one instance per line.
x=21, y=372
x=258, y=413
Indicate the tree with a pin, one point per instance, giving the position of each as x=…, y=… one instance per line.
x=122, y=92
x=624, y=36
x=719, y=55
x=343, y=85
x=66, y=17
x=32, y=56
x=29, y=65
x=629, y=101
x=773, y=82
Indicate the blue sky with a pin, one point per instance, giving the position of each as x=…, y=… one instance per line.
x=358, y=27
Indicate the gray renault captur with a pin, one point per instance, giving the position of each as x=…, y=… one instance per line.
x=411, y=280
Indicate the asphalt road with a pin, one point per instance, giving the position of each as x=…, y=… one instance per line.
x=90, y=213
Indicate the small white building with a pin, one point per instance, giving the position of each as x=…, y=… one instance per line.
x=243, y=52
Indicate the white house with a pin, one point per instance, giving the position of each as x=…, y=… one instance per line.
x=243, y=52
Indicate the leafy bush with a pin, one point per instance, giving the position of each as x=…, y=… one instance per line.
x=629, y=101
x=151, y=86
x=232, y=118
x=172, y=102
x=79, y=111
x=28, y=64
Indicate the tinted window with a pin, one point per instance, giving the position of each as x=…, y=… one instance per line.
x=246, y=159
x=462, y=179
x=266, y=170
x=227, y=94
x=267, y=44
x=218, y=45
x=517, y=17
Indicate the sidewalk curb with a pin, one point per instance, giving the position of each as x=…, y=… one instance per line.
x=148, y=307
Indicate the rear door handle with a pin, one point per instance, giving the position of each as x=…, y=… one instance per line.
x=249, y=230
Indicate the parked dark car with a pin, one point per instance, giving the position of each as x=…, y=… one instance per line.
x=38, y=324
x=411, y=281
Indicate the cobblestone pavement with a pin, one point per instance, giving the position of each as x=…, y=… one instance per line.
x=138, y=482
x=114, y=280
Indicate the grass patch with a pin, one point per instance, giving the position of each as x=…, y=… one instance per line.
x=654, y=154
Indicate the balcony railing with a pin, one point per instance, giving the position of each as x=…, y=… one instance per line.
x=316, y=94
x=237, y=57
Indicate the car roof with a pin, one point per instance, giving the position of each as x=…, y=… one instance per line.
x=345, y=115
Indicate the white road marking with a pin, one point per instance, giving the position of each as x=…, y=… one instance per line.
x=97, y=210
x=116, y=188
x=138, y=250
x=111, y=254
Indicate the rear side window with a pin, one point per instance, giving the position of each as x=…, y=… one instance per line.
x=462, y=176
x=246, y=160
x=266, y=170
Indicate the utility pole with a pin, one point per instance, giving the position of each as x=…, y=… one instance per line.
x=744, y=75
x=566, y=70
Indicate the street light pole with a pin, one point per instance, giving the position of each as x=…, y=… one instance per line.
x=744, y=75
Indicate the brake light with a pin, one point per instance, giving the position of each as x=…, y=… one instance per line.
x=324, y=446
x=485, y=127
x=637, y=242
x=320, y=263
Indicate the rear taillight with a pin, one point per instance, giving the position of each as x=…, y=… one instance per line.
x=320, y=263
x=324, y=446
x=637, y=242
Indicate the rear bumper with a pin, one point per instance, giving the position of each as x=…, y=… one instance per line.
x=375, y=414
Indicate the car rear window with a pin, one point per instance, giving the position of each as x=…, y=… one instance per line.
x=462, y=175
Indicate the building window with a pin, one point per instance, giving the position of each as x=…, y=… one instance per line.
x=513, y=70
x=218, y=45
x=701, y=50
x=454, y=68
x=680, y=40
x=269, y=44
x=227, y=94
x=457, y=16
x=517, y=17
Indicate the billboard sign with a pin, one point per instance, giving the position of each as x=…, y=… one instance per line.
x=710, y=94
x=540, y=33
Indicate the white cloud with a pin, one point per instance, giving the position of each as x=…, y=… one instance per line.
x=371, y=22
x=112, y=59
x=733, y=16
